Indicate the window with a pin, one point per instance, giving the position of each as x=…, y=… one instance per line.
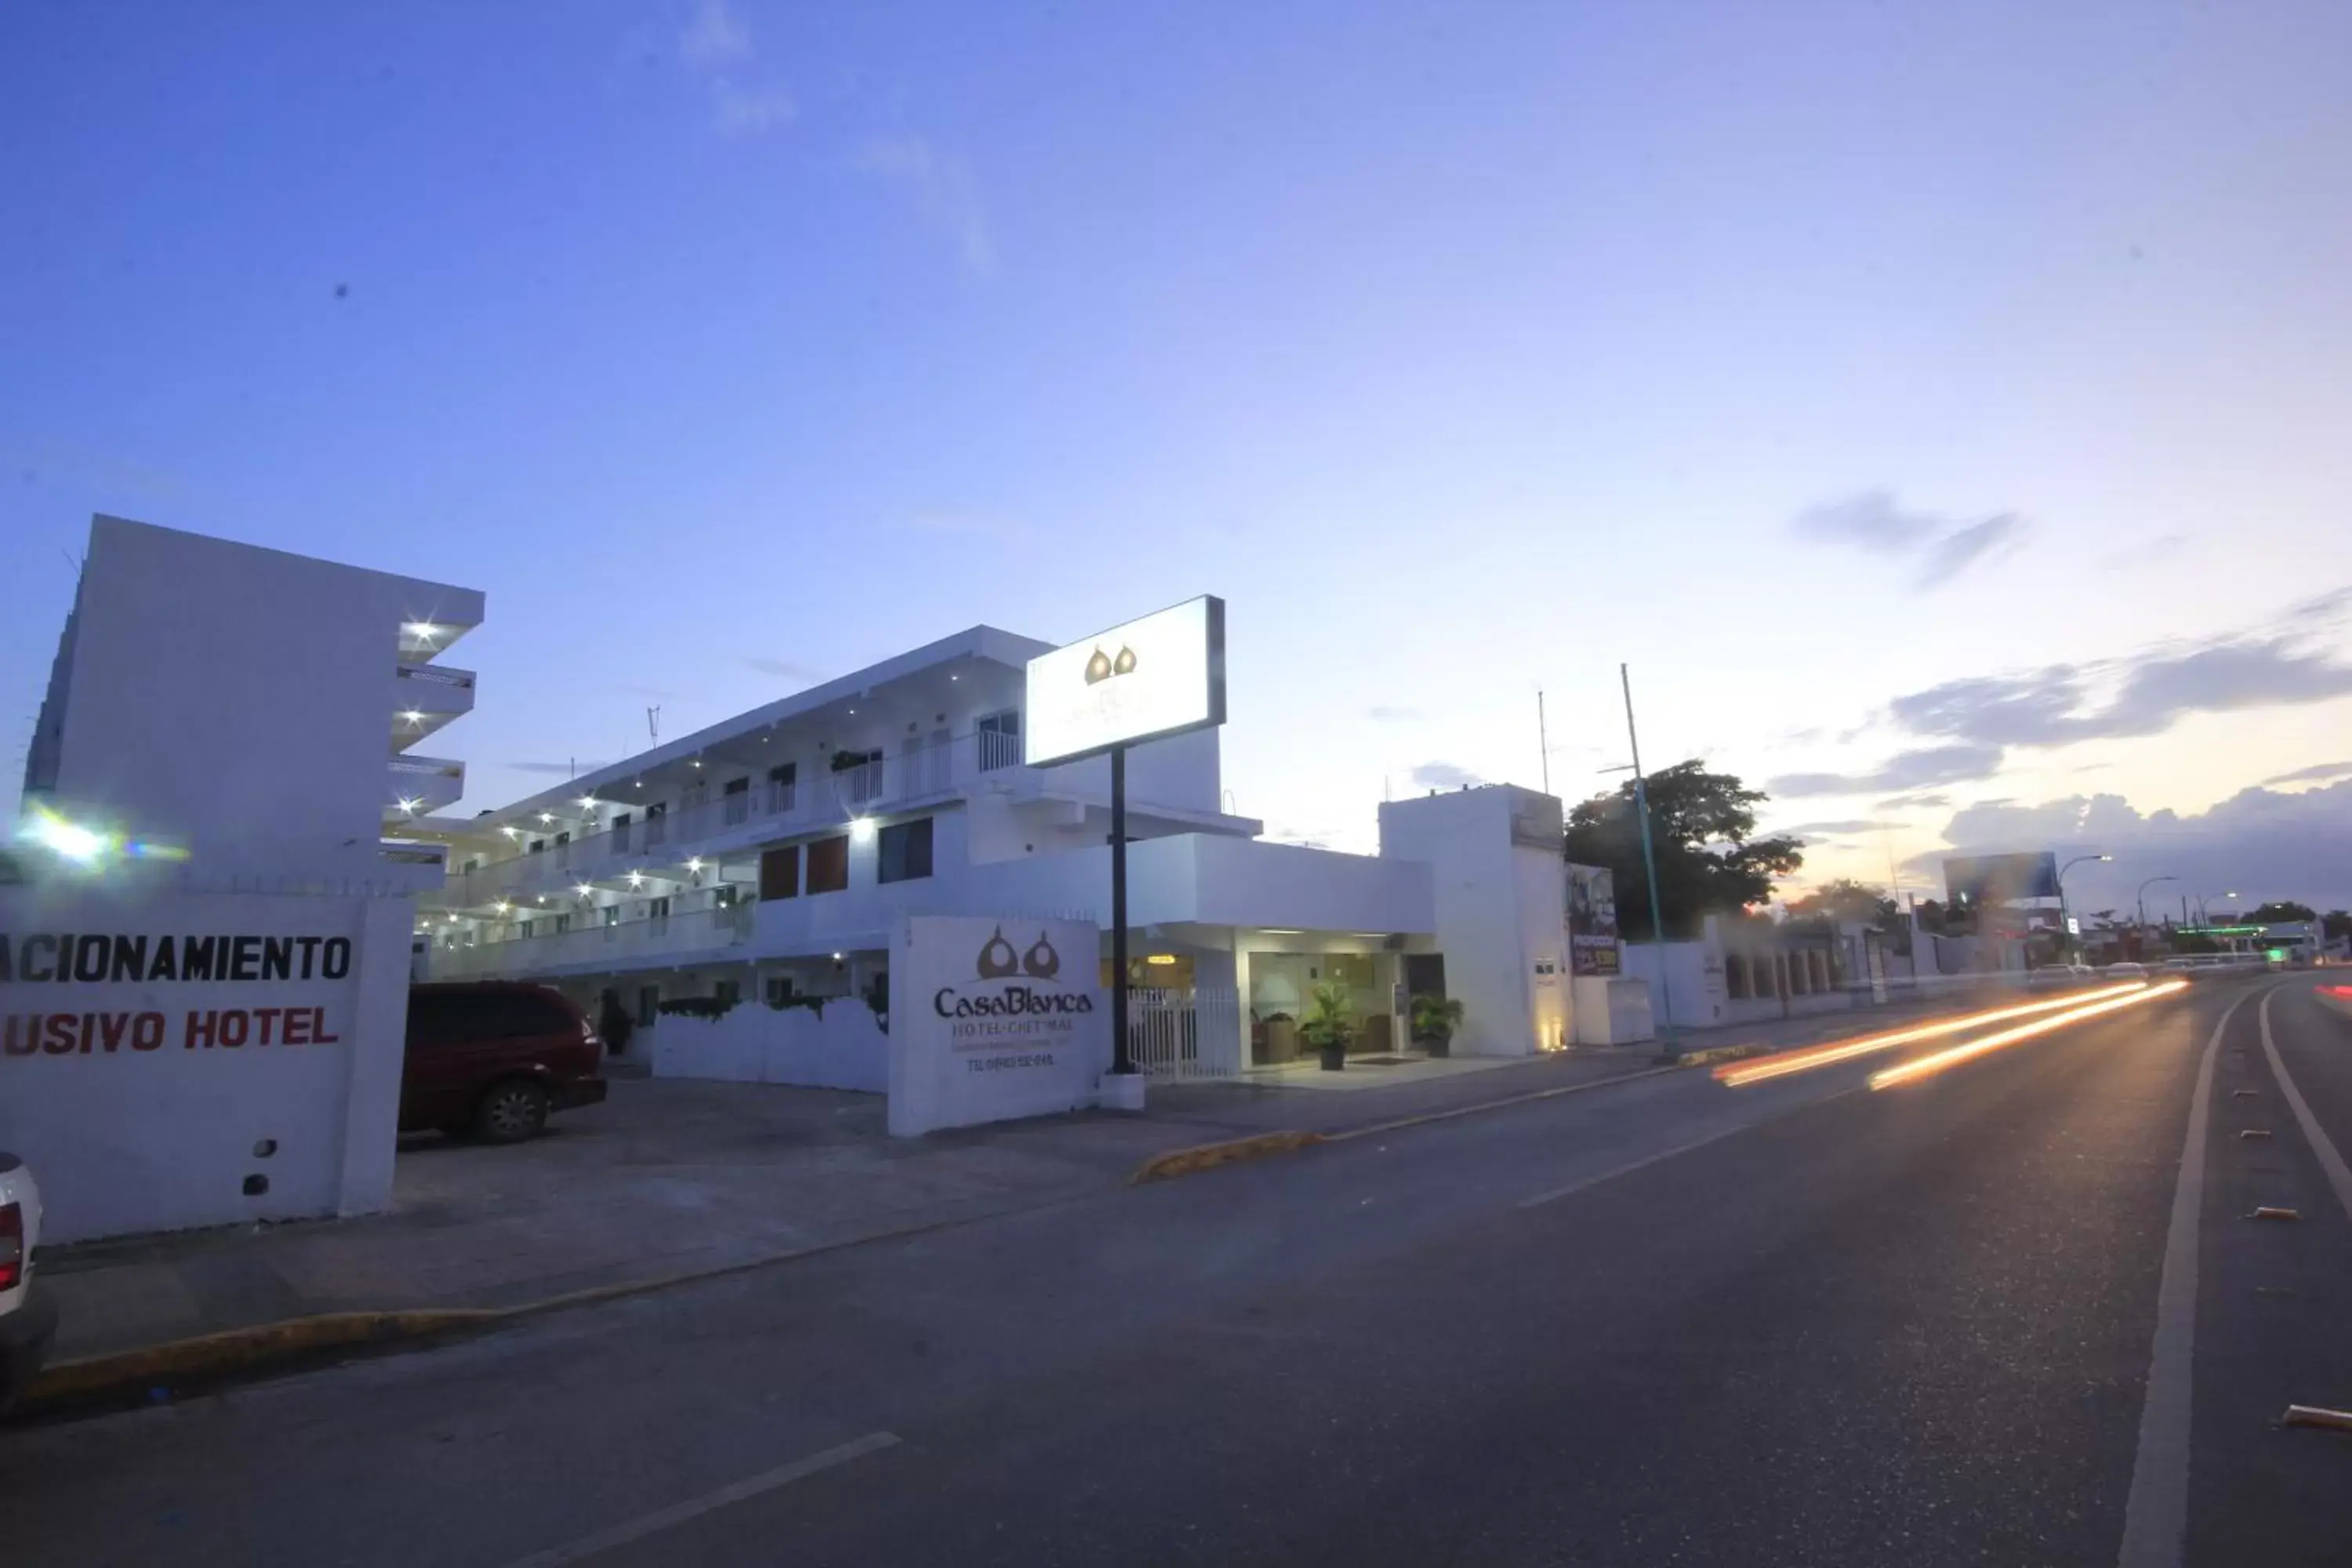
x=537, y=845
x=727, y=993
x=903, y=851
x=648, y=1005
x=828, y=864
x=780, y=872
x=779, y=787
x=1735, y=977
x=621, y=832
x=657, y=823
x=780, y=990
x=999, y=739
x=453, y=1018
x=858, y=776
x=738, y=806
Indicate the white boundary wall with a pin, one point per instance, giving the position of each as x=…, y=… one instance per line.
x=842, y=1048
x=151, y=1095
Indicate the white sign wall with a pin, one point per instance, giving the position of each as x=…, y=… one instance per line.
x=993, y=1019
x=175, y=1060
x=1161, y=675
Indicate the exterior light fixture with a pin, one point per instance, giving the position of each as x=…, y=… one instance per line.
x=861, y=828
x=698, y=761
x=409, y=803
x=836, y=958
x=503, y=907
x=695, y=867
x=69, y=840
x=511, y=832
x=1161, y=958
x=588, y=802
x=584, y=890
x=413, y=717
x=547, y=816
x=423, y=631
x=636, y=879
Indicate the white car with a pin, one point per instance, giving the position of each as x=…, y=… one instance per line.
x=2124, y=971
x=28, y=1320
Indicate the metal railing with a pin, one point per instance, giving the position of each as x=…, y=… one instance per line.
x=1185, y=1035
x=671, y=837
x=644, y=936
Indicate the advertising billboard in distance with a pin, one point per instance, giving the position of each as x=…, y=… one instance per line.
x=1971, y=880
x=1158, y=676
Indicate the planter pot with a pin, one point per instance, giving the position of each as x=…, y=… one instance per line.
x=1436, y=1045
x=1335, y=1057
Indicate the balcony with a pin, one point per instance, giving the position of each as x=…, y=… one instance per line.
x=646, y=940
x=424, y=697
x=706, y=828
x=417, y=785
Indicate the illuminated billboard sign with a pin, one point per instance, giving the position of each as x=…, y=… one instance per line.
x=2000, y=879
x=1159, y=676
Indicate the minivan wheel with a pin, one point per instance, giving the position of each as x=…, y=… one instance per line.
x=510, y=1112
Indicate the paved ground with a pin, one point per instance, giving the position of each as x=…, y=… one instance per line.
x=669, y=1177
x=1800, y=1322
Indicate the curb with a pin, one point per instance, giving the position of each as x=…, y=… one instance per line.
x=267, y=1347
x=1177, y=1162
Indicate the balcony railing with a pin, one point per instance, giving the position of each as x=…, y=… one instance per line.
x=769, y=808
x=647, y=937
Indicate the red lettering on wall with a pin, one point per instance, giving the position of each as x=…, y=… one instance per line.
x=236, y=1024
x=147, y=1032
x=318, y=1035
x=202, y=1027
x=63, y=1037
x=298, y=1027
x=268, y=1016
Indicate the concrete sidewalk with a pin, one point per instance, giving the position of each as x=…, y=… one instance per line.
x=671, y=1179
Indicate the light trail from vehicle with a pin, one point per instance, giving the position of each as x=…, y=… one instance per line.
x=1735, y=1073
x=1951, y=1056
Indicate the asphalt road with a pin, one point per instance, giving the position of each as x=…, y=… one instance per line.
x=1669, y=1322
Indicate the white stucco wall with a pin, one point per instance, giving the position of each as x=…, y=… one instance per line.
x=842, y=1048
x=133, y=1125
x=237, y=701
x=1500, y=911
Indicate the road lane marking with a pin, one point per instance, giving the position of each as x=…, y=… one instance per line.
x=2338, y=1177
x=653, y=1523
x=2155, y=1513
x=1646, y=1160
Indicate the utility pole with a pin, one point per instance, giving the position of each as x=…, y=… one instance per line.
x=1543, y=740
x=1666, y=1047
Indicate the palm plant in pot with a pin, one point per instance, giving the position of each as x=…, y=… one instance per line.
x=1328, y=1026
x=1434, y=1020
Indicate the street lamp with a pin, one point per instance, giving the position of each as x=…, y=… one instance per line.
x=2141, y=899
x=2063, y=933
x=2203, y=918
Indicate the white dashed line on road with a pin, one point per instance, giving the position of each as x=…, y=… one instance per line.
x=2338, y=1177
x=637, y=1529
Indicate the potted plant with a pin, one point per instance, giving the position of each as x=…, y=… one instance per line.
x=1434, y=1020
x=1328, y=1025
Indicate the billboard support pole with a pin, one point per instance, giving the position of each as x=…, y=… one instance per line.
x=1120, y=1060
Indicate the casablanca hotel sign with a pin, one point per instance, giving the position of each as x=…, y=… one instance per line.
x=986, y=1028
x=1162, y=675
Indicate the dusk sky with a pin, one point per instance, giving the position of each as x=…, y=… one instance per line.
x=1945, y=408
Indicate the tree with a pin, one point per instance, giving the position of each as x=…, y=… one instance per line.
x=2335, y=924
x=1701, y=826
x=1843, y=898
x=2278, y=912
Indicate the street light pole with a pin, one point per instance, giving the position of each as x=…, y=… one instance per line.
x=1650, y=866
x=2063, y=934
x=2141, y=899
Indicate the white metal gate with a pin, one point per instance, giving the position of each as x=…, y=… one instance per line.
x=1192, y=1034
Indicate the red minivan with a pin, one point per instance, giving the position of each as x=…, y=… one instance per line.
x=490, y=1059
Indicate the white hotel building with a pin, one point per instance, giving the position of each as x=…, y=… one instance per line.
x=766, y=856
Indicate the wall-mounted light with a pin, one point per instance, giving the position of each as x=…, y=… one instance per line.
x=695, y=867
x=503, y=907
x=511, y=832
x=413, y=717
x=637, y=879
x=698, y=761
x=588, y=803
x=861, y=829
x=1161, y=958
x=547, y=816
x=584, y=890
x=836, y=958
x=409, y=803
x=423, y=631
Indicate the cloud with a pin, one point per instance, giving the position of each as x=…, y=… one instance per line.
x=716, y=36
x=2318, y=772
x=940, y=184
x=1913, y=769
x=1875, y=522
x=716, y=44
x=1963, y=548
x=2144, y=553
x=2056, y=706
x=1854, y=824
x=1443, y=775
x=2263, y=843
x=1383, y=714
x=561, y=770
x=1914, y=802
x=783, y=668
